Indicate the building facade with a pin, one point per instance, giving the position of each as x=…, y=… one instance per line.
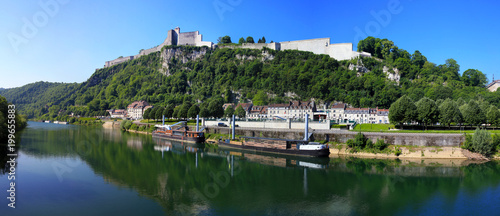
x=136, y=109
x=119, y=113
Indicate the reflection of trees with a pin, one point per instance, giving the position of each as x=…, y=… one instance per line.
x=355, y=186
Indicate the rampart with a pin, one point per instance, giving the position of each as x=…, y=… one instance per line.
x=404, y=139
x=174, y=37
x=340, y=51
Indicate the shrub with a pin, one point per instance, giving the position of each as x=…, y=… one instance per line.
x=468, y=142
x=134, y=127
x=350, y=143
x=142, y=128
x=380, y=144
x=125, y=125
x=397, y=151
x=482, y=142
x=359, y=140
x=369, y=144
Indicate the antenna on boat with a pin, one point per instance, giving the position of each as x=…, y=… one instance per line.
x=232, y=128
x=306, y=132
x=197, y=123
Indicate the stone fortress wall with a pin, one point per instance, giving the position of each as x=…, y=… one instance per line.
x=174, y=37
x=340, y=51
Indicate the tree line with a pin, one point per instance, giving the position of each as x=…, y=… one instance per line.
x=209, y=109
x=447, y=112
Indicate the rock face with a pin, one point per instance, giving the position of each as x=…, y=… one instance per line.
x=180, y=54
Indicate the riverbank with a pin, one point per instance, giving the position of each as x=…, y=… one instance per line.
x=413, y=153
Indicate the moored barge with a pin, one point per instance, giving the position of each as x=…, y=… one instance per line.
x=181, y=133
x=281, y=146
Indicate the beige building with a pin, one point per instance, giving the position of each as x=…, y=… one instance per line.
x=136, y=109
x=493, y=86
x=119, y=113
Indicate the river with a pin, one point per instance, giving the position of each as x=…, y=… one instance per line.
x=82, y=170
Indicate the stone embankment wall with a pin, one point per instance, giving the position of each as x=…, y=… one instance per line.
x=410, y=139
x=286, y=124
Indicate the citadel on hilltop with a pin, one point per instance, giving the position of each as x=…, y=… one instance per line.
x=174, y=37
x=340, y=51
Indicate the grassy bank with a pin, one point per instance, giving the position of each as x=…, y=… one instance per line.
x=386, y=129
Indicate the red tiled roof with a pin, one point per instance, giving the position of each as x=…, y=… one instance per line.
x=138, y=105
x=338, y=106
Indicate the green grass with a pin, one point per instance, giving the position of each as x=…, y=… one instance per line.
x=385, y=128
x=373, y=127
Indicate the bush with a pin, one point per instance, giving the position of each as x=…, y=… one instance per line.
x=468, y=142
x=142, y=128
x=134, y=127
x=380, y=144
x=496, y=142
x=482, y=142
x=350, y=143
x=369, y=144
x=397, y=151
x=125, y=125
x=360, y=140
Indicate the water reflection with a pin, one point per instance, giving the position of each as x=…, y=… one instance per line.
x=206, y=179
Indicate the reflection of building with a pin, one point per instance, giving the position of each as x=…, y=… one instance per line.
x=134, y=143
x=136, y=109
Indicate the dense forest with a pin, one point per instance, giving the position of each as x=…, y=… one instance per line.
x=10, y=121
x=261, y=76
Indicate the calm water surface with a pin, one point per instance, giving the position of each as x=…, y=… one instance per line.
x=76, y=170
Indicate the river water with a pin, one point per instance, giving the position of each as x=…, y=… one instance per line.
x=78, y=170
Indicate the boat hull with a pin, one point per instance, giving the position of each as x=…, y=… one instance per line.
x=311, y=153
x=180, y=138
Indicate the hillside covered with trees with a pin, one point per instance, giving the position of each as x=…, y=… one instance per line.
x=186, y=76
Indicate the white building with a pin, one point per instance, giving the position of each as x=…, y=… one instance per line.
x=136, y=109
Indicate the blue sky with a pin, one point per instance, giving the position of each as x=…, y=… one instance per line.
x=69, y=39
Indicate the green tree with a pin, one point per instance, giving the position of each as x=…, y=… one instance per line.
x=204, y=113
x=493, y=116
x=260, y=99
x=427, y=111
x=159, y=113
x=241, y=41
x=215, y=107
x=449, y=113
x=418, y=59
x=250, y=40
x=175, y=114
x=169, y=111
x=473, y=77
x=240, y=112
x=183, y=111
x=193, y=111
x=451, y=69
x=226, y=40
x=472, y=113
x=229, y=111
x=403, y=110
x=482, y=142
x=263, y=39
x=146, y=114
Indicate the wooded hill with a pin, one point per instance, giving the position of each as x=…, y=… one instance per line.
x=198, y=75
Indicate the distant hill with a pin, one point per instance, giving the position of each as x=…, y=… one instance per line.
x=198, y=74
